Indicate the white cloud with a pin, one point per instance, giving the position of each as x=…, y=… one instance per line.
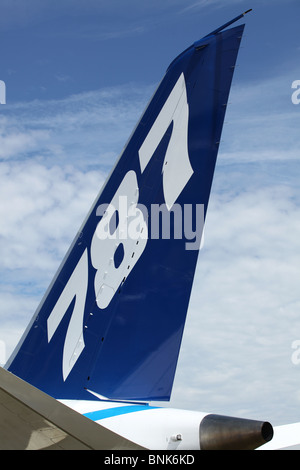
x=261, y=122
x=245, y=309
x=200, y=4
x=16, y=142
x=41, y=210
x=87, y=129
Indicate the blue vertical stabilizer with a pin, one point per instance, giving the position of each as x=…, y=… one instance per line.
x=113, y=318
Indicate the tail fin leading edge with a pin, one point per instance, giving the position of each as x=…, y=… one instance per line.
x=113, y=318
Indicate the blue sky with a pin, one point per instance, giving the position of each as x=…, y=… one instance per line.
x=78, y=75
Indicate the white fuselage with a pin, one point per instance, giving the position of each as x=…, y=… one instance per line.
x=151, y=427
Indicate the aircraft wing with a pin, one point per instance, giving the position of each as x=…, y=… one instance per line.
x=32, y=420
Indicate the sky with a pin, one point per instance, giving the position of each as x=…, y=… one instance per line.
x=78, y=75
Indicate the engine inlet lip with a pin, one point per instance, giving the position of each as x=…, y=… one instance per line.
x=267, y=431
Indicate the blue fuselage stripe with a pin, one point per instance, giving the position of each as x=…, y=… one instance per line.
x=117, y=411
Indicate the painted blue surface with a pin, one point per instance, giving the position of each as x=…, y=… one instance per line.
x=121, y=410
x=131, y=347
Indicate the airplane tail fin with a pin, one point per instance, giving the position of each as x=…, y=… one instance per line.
x=113, y=317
